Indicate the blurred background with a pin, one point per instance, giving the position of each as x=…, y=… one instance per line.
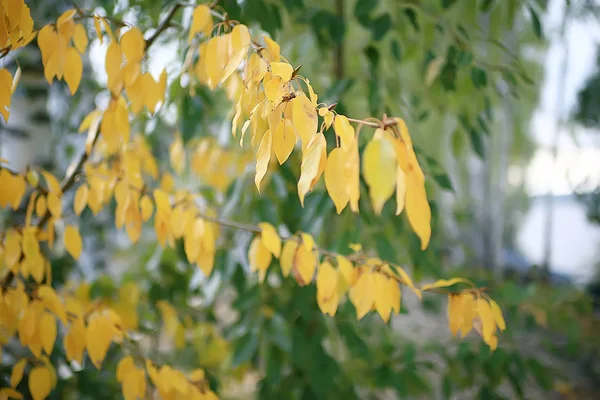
x=502, y=98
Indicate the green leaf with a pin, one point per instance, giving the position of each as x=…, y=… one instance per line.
x=444, y=181
x=542, y=374
x=373, y=56
x=447, y=3
x=412, y=18
x=245, y=349
x=447, y=386
x=535, y=22
x=396, y=50
x=486, y=5
x=477, y=143
x=364, y=7
x=478, y=77
x=380, y=26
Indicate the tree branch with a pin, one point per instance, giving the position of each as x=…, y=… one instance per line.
x=163, y=25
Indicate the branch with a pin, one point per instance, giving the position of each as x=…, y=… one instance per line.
x=163, y=25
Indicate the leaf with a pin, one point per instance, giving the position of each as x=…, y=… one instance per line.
x=80, y=38
x=380, y=26
x=304, y=265
x=497, y=313
x=72, y=241
x=284, y=140
x=433, y=69
x=478, y=77
x=379, y=170
x=259, y=257
x=270, y=238
x=337, y=177
x=444, y=181
x=400, y=190
x=201, y=22
x=362, y=293
x=48, y=332
x=477, y=143
x=313, y=164
x=40, y=383
x=98, y=337
x=535, y=22
x=245, y=349
x=263, y=156
x=80, y=199
x=305, y=118
x=17, y=372
x=133, y=45
x=287, y=256
x=443, y=283
x=5, y=90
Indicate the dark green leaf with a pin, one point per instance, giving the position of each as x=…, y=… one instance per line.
x=380, y=26
x=477, y=143
x=488, y=108
x=245, y=349
x=444, y=181
x=486, y=5
x=362, y=11
x=447, y=3
x=396, y=50
x=447, y=386
x=412, y=18
x=373, y=56
x=478, y=77
x=535, y=22
x=484, y=126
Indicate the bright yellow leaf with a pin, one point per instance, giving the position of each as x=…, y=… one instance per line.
x=270, y=238
x=497, y=313
x=73, y=242
x=444, y=283
x=327, y=297
x=5, y=91
x=133, y=45
x=263, y=156
x=305, y=118
x=17, y=372
x=287, y=256
x=201, y=21
x=344, y=130
x=362, y=293
x=304, y=265
x=73, y=69
x=48, y=330
x=147, y=207
x=337, y=176
x=314, y=157
x=259, y=256
x=40, y=383
x=283, y=70
x=80, y=38
x=80, y=200
x=417, y=208
x=379, y=170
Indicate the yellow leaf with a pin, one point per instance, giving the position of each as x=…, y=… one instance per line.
x=98, y=337
x=344, y=131
x=40, y=206
x=216, y=59
x=497, y=313
x=444, y=283
x=48, y=331
x=304, y=265
x=5, y=91
x=327, y=298
x=125, y=366
x=272, y=48
x=345, y=267
x=379, y=170
x=283, y=70
x=52, y=182
x=40, y=383
x=314, y=156
x=270, y=238
x=454, y=312
x=52, y=302
x=382, y=296
x=362, y=293
x=17, y=372
x=287, y=256
x=80, y=38
x=433, y=69
x=307, y=241
x=417, y=208
x=73, y=242
x=10, y=393
x=54, y=205
x=65, y=17
x=284, y=140
x=400, y=190
x=201, y=21
x=80, y=200
x=263, y=156
x=133, y=45
x=98, y=28
x=147, y=207
x=305, y=118
x=73, y=69
x=259, y=256
x=112, y=64
x=177, y=154
x=337, y=177
x=488, y=324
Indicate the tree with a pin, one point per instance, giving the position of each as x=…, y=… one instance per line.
x=152, y=327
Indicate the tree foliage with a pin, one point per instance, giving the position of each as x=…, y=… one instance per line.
x=178, y=192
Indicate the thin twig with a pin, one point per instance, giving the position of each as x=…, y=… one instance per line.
x=163, y=25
